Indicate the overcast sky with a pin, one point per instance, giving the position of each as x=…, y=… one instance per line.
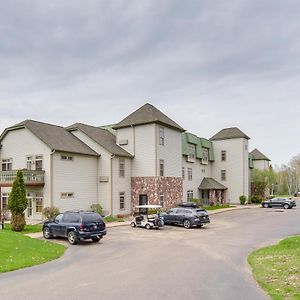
x=206, y=64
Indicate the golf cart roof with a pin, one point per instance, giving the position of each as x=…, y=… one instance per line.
x=149, y=206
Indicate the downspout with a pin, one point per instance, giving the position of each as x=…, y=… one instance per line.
x=111, y=183
x=51, y=178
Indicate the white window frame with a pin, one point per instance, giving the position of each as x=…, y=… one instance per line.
x=190, y=195
x=66, y=195
x=7, y=162
x=162, y=136
x=121, y=167
x=190, y=174
x=223, y=155
x=161, y=167
x=122, y=200
x=4, y=197
x=192, y=152
x=31, y=162
x=65, y=157
x=205, y=156
x=223, y=175
x=183, y=173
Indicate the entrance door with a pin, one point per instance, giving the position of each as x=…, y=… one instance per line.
x=29, y=208
x=143, y=200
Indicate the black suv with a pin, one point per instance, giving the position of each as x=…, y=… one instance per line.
x=76, y=226
x=186, y=216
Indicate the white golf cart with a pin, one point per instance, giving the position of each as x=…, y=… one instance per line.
x=146, y=220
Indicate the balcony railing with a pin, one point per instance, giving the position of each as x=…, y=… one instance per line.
x=31, y=177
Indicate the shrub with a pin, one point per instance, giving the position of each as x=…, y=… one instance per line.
x=243, y=199
x=17, y=203
x=199, y=202
x=50, y=212
x=97, y=208
x=256, y=199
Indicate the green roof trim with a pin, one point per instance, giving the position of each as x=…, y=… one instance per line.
x=189, y=138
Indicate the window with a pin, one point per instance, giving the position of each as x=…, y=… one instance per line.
x=192, y=152
x=66, y=157
x=122, y=200
x=203, y=170
x=205, y=156
x=66, y=195
x=223, y=155
x=34, y=162
x=223, y=175
x=38, y=202
x=121, y=167
x=190, y=195
x=190, y=174
x=161, y=167
x=161, y=136
x=183, y=173
x=6, y=164
x=5, y=197
x=161, y=200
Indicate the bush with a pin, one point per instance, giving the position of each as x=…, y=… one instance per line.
x=243, y=199
x=97, y=208
x=17, y=203
x=256, y=199
x=199, y=202
x=50, y=212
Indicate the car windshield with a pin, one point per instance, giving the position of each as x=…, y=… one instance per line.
x=91, y=217
x=200, y=210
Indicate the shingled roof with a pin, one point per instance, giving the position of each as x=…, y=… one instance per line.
x=209, y=183
x=257, y=155
x=101, y=136
x=229, y=133
x=145, y=115
x=56, y=137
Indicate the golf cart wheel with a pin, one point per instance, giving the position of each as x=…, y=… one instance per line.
x=266, y=205
x=132, y=224
x=148, y=226
x=187, y=224
x=286, y=206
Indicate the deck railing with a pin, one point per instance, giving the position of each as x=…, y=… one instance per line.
x=31, y=177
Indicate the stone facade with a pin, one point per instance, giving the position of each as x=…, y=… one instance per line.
x=153, y=187
x=217, y=197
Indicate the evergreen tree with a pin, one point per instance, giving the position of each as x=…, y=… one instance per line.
x=17, y=203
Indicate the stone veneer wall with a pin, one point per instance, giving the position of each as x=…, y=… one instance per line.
x=170, y=187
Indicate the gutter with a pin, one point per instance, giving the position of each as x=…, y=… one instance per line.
x=111, y=183
x=51, y=178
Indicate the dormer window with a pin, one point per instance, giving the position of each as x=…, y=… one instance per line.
x=205, y=156
x=192, y=153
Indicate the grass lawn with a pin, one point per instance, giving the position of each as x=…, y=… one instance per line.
x=112, y=219
x=277, y=268
x=217, y=207
x=27, y=229
x=18, y=251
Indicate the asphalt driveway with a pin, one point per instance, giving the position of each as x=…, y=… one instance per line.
x=173, y=263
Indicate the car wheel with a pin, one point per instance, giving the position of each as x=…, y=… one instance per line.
x=72, y=238
x=132, y=224
x=96, y=239
x=46, y=233
x=266, y=205
x=286, y=206
x=200, y=225
x=187, y=224
x=148, y=226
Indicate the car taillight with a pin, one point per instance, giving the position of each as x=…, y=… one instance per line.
x=81, y=227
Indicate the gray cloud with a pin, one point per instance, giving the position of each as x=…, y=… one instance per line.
x=207, y=64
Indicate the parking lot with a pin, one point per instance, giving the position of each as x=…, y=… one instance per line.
x=172, y=263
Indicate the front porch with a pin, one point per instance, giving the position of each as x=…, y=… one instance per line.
x=212, y=192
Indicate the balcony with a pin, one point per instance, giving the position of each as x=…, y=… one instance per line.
x=31, y=178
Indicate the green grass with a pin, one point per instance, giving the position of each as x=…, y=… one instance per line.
x=112, y=219
x=18, y=251
x=217, y=207
x=277, y=269
x=27, y=229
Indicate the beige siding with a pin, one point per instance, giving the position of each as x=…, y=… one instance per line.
x=126, y=134
x=261, y=164
x=236, y=166
x=18, y=144
x=121, y=185
x=199, y=171
x=170, y=152
x=79, y=177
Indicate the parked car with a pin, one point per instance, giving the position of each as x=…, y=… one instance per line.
x=188, y=204
x=147, y=220
x=279, y=202
x=186, y=216
x=75, y=226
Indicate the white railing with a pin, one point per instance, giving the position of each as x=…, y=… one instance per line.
x=29, y=176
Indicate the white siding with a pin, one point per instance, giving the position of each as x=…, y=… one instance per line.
x=124, y=134
x=199, y=171
x=170, y=152
x=79, y=177
x=236, y=166
x=261, y=164
x=18, y=144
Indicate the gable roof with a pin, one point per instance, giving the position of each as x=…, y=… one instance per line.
x=101, y=136
x=56, y=137
x=145, y=115
x=229, y=133
x=257, y=155
x=209, y=183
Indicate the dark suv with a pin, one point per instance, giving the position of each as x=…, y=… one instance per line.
x=279, y=202
x=76, y=226
x=186, y=216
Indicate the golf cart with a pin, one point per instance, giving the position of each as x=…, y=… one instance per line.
x=147, y=220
